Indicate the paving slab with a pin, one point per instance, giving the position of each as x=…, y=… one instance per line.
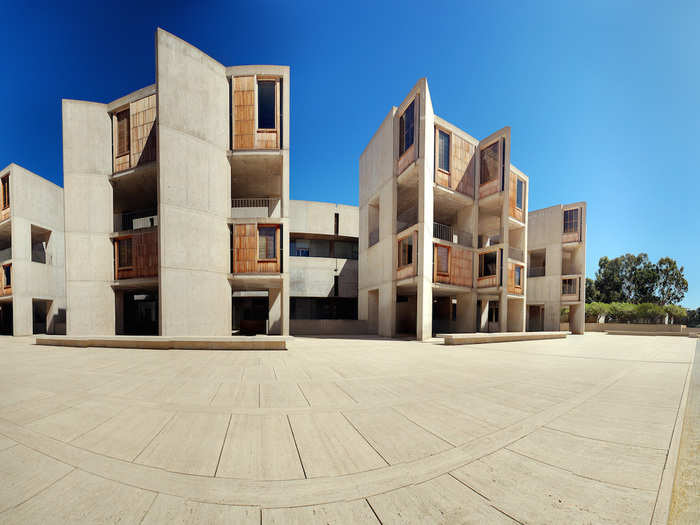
x=189, y=443
x=343, y=512
x=281, y=395
x=237, y=395
x=260, y=447
x=178, y=511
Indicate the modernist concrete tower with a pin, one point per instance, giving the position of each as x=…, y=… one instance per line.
x=557, y=267
x=177, y=198
x=32, y=290
x=440, y=252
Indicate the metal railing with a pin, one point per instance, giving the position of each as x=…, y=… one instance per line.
x=373, y=237
x=535, y=271
x=450, y=234
x=516, y=253
x=135, y=220
x=243, y=208
x=489, y=239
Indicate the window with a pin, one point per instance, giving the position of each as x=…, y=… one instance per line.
x=267, y=240
x=571, y=221
x=336, y=226
x=488, y=263
x=123, y=135
x=300, y=247
x=518, y=276
x=489, y=163
x=406, y=251
x=568, y=286
x=406, y=129
x=443, y=260
x=7, y=274
x=5, y=192
x=335, y=286
x=266, y=104
x=124, y=253
x=443, y=151
x=519, y=194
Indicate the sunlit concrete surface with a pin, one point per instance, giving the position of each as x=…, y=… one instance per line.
x=574, y=430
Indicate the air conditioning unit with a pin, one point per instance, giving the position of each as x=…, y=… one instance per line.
x=146, y=222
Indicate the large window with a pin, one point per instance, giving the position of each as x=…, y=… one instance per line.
x=406, y=129
x=406, y=251
x=568, y=286
x=267, y=243
x=123, y=135
x=520, y=194
x=124, y=252
x=518, y=276
x=488, y=264
x=443, y=151
x=571, y=221
x=489, y=163
x=443, y=260
x=266, y=104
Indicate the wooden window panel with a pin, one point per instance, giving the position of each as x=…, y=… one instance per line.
x=443, y=260
x=124, y=253
x=123, y=133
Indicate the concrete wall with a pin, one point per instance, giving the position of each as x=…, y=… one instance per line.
x=314, y=277
x=194, y=190
x=319, y=218
x=87, y=165
x=36, y=201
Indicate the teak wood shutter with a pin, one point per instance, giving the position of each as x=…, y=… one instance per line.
x=123, y=132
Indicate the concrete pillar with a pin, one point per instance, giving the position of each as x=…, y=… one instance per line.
x=285, y=304
x=387, y=310
x=503, y=306
x=274, y=299
x=466, y=313
x=22, y=316
x=577, y=318
x=484, y=316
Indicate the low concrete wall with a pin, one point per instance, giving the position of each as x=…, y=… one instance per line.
x=167, y=343
x=327, y=327
x=636, y=327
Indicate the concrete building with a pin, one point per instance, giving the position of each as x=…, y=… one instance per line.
x=438, y=251
x=323, y=268
x=177, y=201
x=32, y=289
x=557, y=267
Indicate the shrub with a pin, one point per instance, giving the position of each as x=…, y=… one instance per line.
x=650, y=313
x=622, y=313
x=677, y=313
x=595, y=311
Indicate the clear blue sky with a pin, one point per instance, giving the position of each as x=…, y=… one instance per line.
x=603, y=97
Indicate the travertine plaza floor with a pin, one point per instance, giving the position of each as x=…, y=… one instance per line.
x=343, y=431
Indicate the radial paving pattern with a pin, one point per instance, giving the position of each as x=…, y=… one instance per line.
x=342, y=430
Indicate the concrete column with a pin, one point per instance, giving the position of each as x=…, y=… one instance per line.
x=466, y=313
x=484, y=316
x=285, y=305
x=22, y=316
x=387, y=310
x=274, y=299
x=577, y=318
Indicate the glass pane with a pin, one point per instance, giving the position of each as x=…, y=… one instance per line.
x=519, y=200
x=266, y=105
x=266, y=243
x=444, y=151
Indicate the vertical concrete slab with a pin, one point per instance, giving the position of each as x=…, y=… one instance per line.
x=194, y=190
x=87, y=164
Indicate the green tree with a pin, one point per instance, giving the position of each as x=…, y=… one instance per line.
x=640, y=278
x=649, y=312
x=693, y=318
x=592, y=293
x=671, y=285
x=621, y=313
x=609, y=280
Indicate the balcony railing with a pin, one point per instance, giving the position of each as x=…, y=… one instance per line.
x=135, y=220
x=516, y=253
x=373, y=237
x=489, y=239
x=535, y=271
x=450, y=234
x=247, y=208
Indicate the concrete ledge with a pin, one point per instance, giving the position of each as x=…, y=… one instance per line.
x=635, y=332
x=267, y=342
x=499, y=337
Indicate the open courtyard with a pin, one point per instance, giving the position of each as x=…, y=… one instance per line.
x=575, y=430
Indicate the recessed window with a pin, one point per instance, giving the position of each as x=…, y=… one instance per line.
x=406, y=251
x=520, y=194
x=571, y=221
x=568, y=286
x=443, y=151
x=5, y=192
x=443, y=260
x=489, y=164
x=336, y=286
x=518, y=276
x=124, y=249
x=345, y=249
x=123, y=135
x=7, y=274
x=406, y=129
x=488, y=264
x=266, y=104
x=336, y=226
x=267, y=241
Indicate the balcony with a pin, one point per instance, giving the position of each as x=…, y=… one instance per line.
x=135, y=220
x=450, y=234
x=570, y=290
x=489, y=239
x=248, y=208
x=136, y=255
